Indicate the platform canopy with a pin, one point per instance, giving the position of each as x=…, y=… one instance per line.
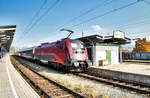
x=93, y=39
x=6, y=36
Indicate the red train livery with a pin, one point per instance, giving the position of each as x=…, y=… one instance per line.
x=66, y=53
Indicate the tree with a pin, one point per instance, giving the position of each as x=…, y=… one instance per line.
x=142, y=45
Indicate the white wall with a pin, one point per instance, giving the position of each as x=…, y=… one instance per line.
x=100, y=53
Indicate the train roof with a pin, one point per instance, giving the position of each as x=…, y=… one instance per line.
x=52, y=43
x=55, y=43
x=28, y=49
x=47, y=44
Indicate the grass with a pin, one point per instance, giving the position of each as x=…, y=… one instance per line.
x=83, y=89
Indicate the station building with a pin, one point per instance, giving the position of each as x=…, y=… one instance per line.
x=105, y=50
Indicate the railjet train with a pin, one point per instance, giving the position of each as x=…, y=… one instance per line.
x=67, y=54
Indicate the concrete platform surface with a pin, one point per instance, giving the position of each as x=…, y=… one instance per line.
x=130, y=72
x=12, y=85
x=137, y=68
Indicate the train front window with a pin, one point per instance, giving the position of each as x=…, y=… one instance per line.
x=77, y=46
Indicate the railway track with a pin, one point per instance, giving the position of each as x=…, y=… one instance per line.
x=137, y=88
x=46, y=88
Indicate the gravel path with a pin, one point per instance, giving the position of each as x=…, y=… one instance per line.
x=84, y=86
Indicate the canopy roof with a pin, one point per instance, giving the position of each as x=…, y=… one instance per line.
x=6, y=36
x=90, y=40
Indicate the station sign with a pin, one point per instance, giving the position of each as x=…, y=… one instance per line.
x=119, y=34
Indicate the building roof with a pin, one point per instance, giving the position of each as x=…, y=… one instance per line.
x=6, y=36
x=89, y=40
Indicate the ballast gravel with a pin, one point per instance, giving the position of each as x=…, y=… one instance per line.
x=103, y=90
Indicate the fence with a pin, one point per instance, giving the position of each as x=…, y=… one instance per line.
x=136, y=56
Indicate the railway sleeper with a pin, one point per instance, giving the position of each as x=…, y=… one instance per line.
x=57, y=93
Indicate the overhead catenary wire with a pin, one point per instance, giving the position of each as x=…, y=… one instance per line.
x=111, y=12
x=130, y=20
x=147, y=2
x=145, y=21
x=135, y=34
x=106, y=13
x=36, y=14
x=86, y=12
x=135, y=26
x=40, y=17
x=34, y=17
x=128, y=25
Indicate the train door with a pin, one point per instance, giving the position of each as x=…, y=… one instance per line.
x=108, y=56
x=90, y=54
x=64, y=51
x=89, y=50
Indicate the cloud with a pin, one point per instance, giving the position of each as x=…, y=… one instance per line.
x=96, y=27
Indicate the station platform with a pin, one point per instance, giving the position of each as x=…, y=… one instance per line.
x=12, y=85
x=129, y=72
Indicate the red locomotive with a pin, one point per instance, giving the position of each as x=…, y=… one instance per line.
x=66, y=54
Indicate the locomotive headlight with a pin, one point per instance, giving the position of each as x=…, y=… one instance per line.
x=76, y=64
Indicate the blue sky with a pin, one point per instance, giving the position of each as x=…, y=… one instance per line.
x=133, y=20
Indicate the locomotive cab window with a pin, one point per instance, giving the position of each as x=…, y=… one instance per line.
x=77, y=46
x=63, y=47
